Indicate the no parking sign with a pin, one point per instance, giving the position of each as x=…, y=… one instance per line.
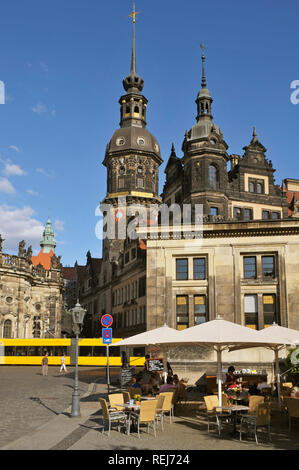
x=107, y=335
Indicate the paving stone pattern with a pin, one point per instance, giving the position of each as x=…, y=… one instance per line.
x=28, y=400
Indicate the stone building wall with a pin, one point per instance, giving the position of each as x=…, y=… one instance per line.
x=30, y=298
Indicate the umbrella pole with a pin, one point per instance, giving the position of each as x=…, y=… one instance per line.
x=165, y=372
x=219, y=375
x=277, y=376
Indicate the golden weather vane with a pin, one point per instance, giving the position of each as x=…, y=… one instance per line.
x=134, y=13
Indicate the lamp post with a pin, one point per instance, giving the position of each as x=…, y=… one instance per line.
x=77, y=316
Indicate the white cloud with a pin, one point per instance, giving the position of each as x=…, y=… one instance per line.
x=39, y=108
x=59, y=225
x=6, y=186
x=13, y=169
x=32, y=193
x=44, y=172
x=14, y=147
x=19, y=224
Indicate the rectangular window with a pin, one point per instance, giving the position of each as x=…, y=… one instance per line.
x=256, y=186
x=199, y=268
x=247, y=214
x=140, y=183
x=269, y=305
x=214, y=210
x=249, y=267
x=182, y=269
x=251, y=311
x=266, y=214
x=275, y=215
x=182, y=312
x=268, y=266
x=200, y=310
x=142, y=286
x=121, y=183
x=127, y=257
x=238, y=213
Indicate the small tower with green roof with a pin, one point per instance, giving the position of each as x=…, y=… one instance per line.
x=48, y=243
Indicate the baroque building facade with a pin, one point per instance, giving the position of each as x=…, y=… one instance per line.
x=238, y=260
x=31, y=291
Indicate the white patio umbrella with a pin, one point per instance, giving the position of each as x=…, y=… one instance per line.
x=163, y=337
x=222, y=334
x=280, y=333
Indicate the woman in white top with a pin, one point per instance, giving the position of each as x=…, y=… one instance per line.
x=63, y=366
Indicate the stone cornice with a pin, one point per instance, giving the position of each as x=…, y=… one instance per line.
x=226, y=229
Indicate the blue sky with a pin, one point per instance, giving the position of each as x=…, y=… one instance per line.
x=63, y=63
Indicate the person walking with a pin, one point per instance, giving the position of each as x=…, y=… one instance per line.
x=63, y=366
x=45, y=362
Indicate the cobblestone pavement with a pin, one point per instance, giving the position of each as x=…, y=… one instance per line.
x=28, y=400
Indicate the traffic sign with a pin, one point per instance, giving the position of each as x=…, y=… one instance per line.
x=107, y=335
x=106, y=320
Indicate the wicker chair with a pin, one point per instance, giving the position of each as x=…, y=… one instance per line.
x=112, y=416
x=115, y=399
x=218, y=414
x=254, y=402
x=146, y=415
x=160, y=409
x=127, y=397
x=293, y=409
x=261, y=418
x=168, y=404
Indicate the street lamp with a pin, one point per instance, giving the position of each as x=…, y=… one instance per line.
x=77, y=316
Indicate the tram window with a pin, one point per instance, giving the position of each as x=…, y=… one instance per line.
x=85, y=351
x=99, y=351
x=51, y=350
x=34, y=351
x=21, y=351
x=114, y=352
x=10, y=351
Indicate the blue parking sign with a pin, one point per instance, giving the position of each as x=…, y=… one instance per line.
x=107, y=335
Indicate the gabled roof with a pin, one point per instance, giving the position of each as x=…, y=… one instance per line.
x=43, y=258
x=68, y=273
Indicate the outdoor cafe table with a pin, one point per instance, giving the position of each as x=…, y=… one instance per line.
x=234, y=410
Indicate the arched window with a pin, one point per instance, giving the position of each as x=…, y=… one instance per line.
x=213, y=177
x=36, y=327
x=136, y=110
x=7, y=329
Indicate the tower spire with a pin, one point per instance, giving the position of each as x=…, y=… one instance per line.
x=133, y=60
x=133, y=82
x=203, y=58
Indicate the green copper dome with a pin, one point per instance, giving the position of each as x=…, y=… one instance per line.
x=48, y=243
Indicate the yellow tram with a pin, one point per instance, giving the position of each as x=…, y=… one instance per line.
x=92, y=352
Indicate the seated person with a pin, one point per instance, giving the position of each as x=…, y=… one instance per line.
x=155, y=381
x=253, y=390
x=146, y=377
x=263, y=384
x=169, y=386
x=230, y=376
x=136, y=383
x=180, y=385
